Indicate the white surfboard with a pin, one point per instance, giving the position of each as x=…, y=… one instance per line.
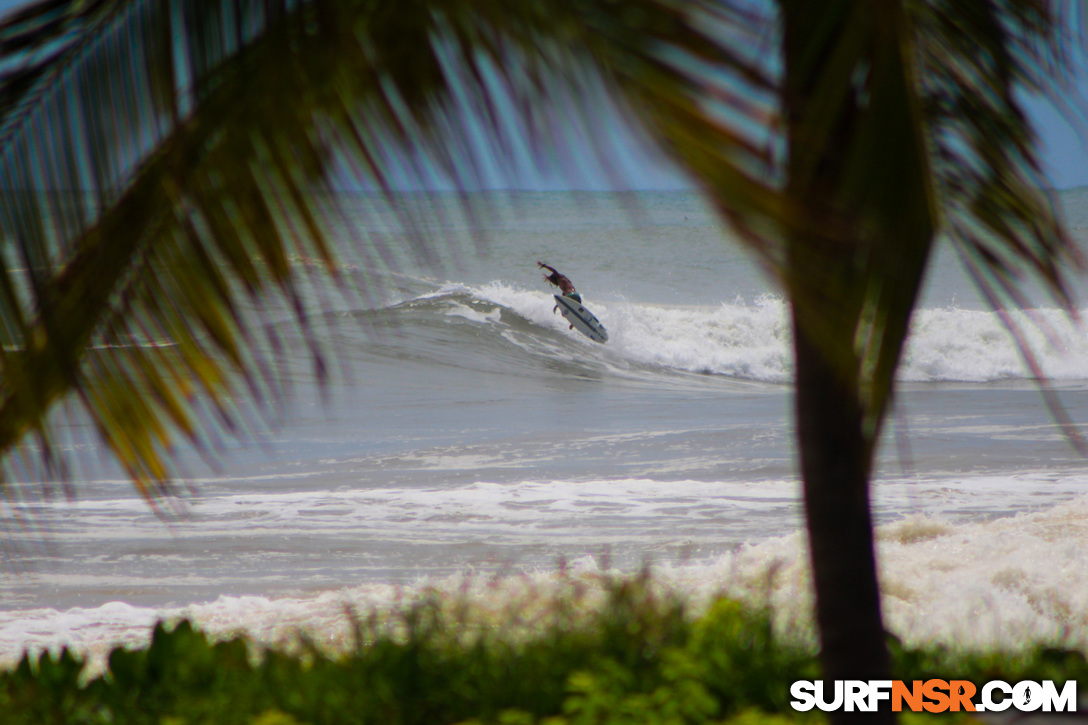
x=582, y=319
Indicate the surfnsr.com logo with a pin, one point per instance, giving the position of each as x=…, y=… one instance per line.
x=933, y=696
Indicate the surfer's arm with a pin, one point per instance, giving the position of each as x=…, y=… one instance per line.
x=548, y=267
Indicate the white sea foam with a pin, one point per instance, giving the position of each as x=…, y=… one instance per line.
x=1010, y=581
x=524, y=512
x=653, y=513
x=968, y=345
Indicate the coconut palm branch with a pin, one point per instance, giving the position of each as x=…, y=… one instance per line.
x=196, y=133
x=899, y=128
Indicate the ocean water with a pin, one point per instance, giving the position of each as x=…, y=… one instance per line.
x=470, y=441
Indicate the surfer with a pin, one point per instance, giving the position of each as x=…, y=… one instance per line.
x=573, y=311
x=560, y=280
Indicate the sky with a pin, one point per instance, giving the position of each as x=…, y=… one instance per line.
x=1064, y=149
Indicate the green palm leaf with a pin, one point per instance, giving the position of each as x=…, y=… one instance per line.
x=975, y=67
x=199, y=130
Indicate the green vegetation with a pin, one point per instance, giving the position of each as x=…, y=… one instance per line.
x=640, y=659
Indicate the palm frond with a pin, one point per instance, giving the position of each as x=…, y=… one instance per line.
x=858, y=164
x=988, y=170
x=976, y=66
x=915, y=129
x=132, y=299
x=159, y=160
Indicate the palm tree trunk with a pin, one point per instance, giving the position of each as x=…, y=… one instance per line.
x=825, y=277
x=835, y=469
